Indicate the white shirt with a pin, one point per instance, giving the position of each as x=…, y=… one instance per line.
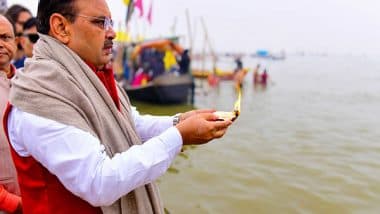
x=79, y=160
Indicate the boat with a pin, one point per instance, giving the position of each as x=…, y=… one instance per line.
x=265, y=54
x=155, y=84
x=223, y=75
x=168, y=88
x=220, y=74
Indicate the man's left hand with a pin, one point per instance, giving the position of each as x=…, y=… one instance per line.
x=188, y=114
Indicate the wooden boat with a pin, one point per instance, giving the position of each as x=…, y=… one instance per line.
x=223, y=75
x=168, y=88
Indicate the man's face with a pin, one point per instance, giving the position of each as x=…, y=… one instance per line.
x=7, y=42
x=27, y=40
x=89, y=39
x=22, y=18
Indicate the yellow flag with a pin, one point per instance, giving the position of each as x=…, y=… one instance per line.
x=126, y=2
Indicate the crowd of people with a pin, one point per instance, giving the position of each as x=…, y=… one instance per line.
x=259, y=78
x=70, y=140
x=151, y=62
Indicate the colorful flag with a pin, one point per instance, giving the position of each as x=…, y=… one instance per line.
x=149, y=16
x=139, y=5
x=126, y=2
x=129, y=11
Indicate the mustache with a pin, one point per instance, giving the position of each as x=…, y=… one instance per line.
x=108, y=43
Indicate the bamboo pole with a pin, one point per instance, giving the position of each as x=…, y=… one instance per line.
x=190, y=35
x=207, y=40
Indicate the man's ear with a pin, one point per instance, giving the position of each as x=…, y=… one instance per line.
x=60, y=28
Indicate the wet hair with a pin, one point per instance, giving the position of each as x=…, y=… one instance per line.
x=14, y=12
x=31, y=22
x=47, y=7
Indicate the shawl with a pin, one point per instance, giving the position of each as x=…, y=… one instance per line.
x=57, y=84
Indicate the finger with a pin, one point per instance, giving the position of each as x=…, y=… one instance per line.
x=222, y=124
x=220, y=133
x=199, y=111
x=208, y=116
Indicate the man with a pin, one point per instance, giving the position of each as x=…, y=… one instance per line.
x=18, y=14
x=76, y=140
x=239, y=64
x=10, y=200
x=29, y=36
x=184, y=62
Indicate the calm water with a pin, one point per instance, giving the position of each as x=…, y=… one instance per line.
x=308, y=143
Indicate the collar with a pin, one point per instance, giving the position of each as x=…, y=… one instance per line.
x=106, y=68
x=9, y=72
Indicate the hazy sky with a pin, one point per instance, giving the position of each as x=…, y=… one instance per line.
x=333, y=26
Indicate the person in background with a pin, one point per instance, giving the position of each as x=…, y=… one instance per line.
x=239, y=78
x=239, y=73
x=10, y=200
x=78, y=144
x=239, y=64
x=256, y=75
x=18, y=14
x=170, y=61
x=184, y=62
x=29, y=36
x=184, y=68
x=264, y=77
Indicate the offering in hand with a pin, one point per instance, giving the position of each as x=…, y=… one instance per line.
x=227, y=115
x=230, y=115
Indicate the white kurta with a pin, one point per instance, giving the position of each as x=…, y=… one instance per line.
x=65, y=151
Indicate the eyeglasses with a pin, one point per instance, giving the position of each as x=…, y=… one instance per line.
x=6, y=38
x=104, y=23
x=33, y=37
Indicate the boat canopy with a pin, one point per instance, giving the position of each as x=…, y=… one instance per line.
x=160, y=45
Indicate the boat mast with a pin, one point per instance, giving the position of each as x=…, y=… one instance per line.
x=208, y=42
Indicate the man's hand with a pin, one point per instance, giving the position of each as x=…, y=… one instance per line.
x=200, y=126
x=188, y=114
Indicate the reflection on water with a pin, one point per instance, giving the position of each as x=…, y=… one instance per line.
x=308, y=143
x=155, y=109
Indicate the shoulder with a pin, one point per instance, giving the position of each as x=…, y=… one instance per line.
x=43, y=70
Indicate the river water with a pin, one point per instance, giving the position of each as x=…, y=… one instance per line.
x=307, y=143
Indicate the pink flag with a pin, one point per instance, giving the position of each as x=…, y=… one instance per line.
x=139, y=5
x=149, y=16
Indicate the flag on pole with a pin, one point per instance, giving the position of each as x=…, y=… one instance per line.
x=139, y=5
x=130, y=10
x=149, y=16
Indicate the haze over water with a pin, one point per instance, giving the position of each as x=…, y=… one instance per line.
x=308, y=143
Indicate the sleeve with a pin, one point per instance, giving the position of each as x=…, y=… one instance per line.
x=79, y=160
x=8, y=201
x=149, y=126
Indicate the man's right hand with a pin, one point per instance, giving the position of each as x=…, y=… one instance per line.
x=201, y=128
